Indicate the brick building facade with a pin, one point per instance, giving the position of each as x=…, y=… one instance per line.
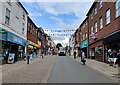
x=102, y=30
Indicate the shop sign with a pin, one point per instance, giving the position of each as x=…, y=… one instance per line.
x=15, y=39
x=2, y=31
x=32, y=43
x=93, y=36
x=84, y=44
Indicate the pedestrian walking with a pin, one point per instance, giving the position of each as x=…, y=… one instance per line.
x=110, y=57
x=83, y=58
x=75, y=54
x=42, y=54
x=114, y=58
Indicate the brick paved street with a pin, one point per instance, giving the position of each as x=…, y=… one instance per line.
x=101, y=67
x=36, y=72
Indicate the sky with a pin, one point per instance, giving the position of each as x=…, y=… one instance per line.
x=58, y=15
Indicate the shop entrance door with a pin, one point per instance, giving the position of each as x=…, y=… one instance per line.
x=14, y=49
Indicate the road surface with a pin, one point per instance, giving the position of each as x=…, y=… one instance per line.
x=67, y=70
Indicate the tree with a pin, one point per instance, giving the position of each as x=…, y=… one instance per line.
x=58, y=45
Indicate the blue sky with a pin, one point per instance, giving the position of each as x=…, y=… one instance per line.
x=57, y=15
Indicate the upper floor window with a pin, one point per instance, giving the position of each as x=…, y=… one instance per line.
x=83, y=36
x=95, y=11
x=9, y=2
x=86, y=23
x=117, y=8
x=24, y=15
x=108, y=16
x=91, y=29
x=23, y=28
x=86, y=35
x=91, y=16
x=7, y=17
x=100, y=4
x=95, y=26
x=83, y=25
x=101, y=22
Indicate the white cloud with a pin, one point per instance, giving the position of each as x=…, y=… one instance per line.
x=35, y=14
x=79, y=9
x=55, y=0
x=63, y=42
x=65, y=8
x=56, y=19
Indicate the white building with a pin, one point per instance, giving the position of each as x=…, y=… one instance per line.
x=13, y=20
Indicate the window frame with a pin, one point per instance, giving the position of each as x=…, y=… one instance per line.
x=91, y=30
x=101, y=5
x=95, y=11
x=108, y=16
x=7, y=16
x=23, y=28
x=101, y=22
x=117, y=8
x=96, y=27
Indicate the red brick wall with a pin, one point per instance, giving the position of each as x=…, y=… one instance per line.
x=31, y=38
x=107, y=29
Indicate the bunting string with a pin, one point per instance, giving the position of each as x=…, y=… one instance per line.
x=59, y=30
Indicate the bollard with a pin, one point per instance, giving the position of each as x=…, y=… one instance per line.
x=28, y=58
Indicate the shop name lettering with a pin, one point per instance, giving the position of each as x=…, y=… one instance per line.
x=16, y=39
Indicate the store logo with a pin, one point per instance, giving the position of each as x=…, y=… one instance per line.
x=11, y=37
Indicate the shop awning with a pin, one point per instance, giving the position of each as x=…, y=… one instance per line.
x=29, y=46
x=34, y=44
x=112, y=37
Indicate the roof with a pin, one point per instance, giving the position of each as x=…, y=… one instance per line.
x=23, y=7
x=83, y=22
x=94, y=3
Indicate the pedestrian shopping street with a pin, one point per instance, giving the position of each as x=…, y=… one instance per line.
x=60, y=42
x=53, y=69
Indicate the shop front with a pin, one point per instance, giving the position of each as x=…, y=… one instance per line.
x=84, y=47
x=13, y=44
x=34, y=48
x=96, y=50
x=111, y=41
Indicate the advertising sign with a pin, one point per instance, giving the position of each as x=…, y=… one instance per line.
x=11, y=57
x=15, y=39
x=84, y=44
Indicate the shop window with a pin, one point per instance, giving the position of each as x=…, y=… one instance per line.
x=117, y=8
x=99, y=53
x=7, y=17
x=108, y=16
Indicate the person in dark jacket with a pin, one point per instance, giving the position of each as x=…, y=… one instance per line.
x=75, y=54
x=114, y=57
